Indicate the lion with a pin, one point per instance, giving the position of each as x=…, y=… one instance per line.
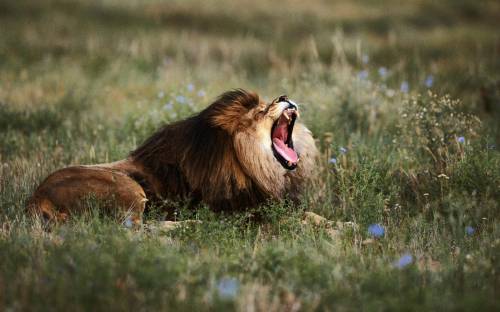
x=237, y=153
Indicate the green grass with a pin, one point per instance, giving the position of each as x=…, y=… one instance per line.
x=86, y=81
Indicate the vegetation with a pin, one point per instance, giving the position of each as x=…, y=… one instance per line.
x=403, y=98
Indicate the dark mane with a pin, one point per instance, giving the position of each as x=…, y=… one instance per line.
x=198, y=129
x=196, y=157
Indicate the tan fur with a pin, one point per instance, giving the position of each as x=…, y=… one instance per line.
x=221, y=157
x=65, y=190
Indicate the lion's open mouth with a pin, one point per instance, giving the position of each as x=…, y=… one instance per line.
x=281, y=135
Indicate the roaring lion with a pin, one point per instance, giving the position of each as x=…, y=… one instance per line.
x=237, y=153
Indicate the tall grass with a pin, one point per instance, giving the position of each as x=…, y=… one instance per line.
x=402, y=99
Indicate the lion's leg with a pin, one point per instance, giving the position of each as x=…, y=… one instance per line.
x=64, y=191
x=45, y=209
x=172, y=225
x=311, y=218
x=315, y=219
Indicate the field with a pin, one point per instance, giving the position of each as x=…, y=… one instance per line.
x=403, y=98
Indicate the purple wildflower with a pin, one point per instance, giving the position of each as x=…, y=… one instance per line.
x=128, y=223
x=405, y=260
x=227, y=288
x=405, y=87
x=362, y=75
x=181, y=99
x=382, y=71
x=469, y=230
x=429, y=81
x=168, y=106
x=376, y=230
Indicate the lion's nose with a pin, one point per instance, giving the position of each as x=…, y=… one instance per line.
x=292, y=105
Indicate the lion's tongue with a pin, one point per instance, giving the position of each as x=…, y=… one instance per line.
x=280, y=135
x=287, y=153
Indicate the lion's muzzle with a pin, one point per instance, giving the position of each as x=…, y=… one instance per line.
x=281, y=135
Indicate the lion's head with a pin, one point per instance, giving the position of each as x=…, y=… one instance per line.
x=240, y=149
x=270, y=124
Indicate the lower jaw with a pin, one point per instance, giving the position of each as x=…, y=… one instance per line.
x=283, y=162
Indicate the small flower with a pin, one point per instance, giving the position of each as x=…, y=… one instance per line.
x=128, y=223
x=390, y=92
x=190, y=87
x=343, y=150
x=181, y=99
x=403, y=261
x=365, y=58
x=362, y=75
x=333, y=160
x=382, y=71
x=161, y=94
x=469, y=230
x=461, y=139
x=405, y=87
x=376, y=230
x=429, y=81
x=227, y=288
x=168, y=106
x=201, y=93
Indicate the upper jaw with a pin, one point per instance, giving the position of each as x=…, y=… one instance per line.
x=290, y=114
x=285, y=99
x=288, y=109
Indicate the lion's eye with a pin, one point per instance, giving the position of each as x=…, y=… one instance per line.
x=264, y=108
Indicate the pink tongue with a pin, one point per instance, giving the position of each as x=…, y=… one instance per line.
x=280, y=135
x=287, y=153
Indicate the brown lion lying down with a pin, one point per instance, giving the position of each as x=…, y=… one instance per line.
x=238, y=152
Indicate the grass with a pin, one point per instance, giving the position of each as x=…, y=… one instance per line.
x=402, y=98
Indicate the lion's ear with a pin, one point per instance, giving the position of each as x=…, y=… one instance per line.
x=230, y=120
x=229, y=111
